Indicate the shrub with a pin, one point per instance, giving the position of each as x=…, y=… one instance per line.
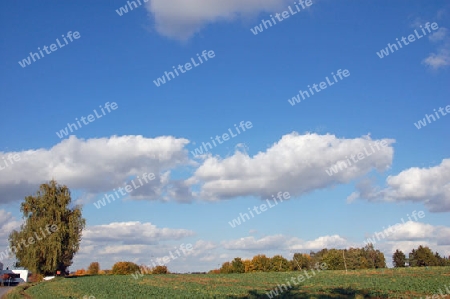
x=35, y=278
x=124, y=268
x=160, y=270
x=93, y=269
x=80, y=272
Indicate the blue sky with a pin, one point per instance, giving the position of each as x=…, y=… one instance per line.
x=250, y=78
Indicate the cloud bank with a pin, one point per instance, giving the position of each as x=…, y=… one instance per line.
x=430, y=186
x=296, y=163
x=181, y=19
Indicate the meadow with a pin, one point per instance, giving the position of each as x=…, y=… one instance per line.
x=379, y=283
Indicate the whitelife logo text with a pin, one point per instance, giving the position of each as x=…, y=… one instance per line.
x=27, y=61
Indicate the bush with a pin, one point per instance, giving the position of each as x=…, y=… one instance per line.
x=93, y=269
x=160, y=270
x=124, y=268
x=80, y=272
x=35, y=278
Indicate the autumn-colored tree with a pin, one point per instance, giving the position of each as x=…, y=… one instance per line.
x=124, y=268
x=93, y=269
x=226, y=268
x=160, y=270
x=80, y=272
x=51, y=232
x=260, y=263
x=247, y=266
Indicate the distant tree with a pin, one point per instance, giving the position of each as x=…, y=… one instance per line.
x=380, y=261
x=247, y=266
x=237, y=265
x=124, y=268
x=412, y=258
x=80, y=272
x=423, y=256
x=317, y=257
x=260, y=263
x=51, y=232
x=334, y=259
x=279, y=264
x=160, y=270
x=226, y=268
x=94, y=268
x=374, y=257
x=440, y=261
x=300, y=261
x=399, y=259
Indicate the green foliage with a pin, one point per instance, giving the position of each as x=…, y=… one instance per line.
x=385, y=283
x=374, y=257
x=423, y=256
x=334, y=259
x=124, y=268
x=93, y=269
x=237, y=265
x=51, y=233
x=301, y=261
x=226, y=268
x=399, y=259
x=279, y=264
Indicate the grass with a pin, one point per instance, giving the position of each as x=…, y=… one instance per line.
x=381, y=283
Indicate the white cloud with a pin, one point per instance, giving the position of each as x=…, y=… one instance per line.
x=95, y=165
x=409, y=235
x=251, y=243
x=430, y=186
x=413, y=231
x=295, y=158
x=439, y=35
x=133, y=233
x=7, y=224
x=334, y=241
x=181, y=19
x=440, y=59
x=281, y=243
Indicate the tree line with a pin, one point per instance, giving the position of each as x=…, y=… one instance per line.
x=335, y=259
x=420, y=257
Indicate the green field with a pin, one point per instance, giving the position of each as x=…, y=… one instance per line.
x=381, y=283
